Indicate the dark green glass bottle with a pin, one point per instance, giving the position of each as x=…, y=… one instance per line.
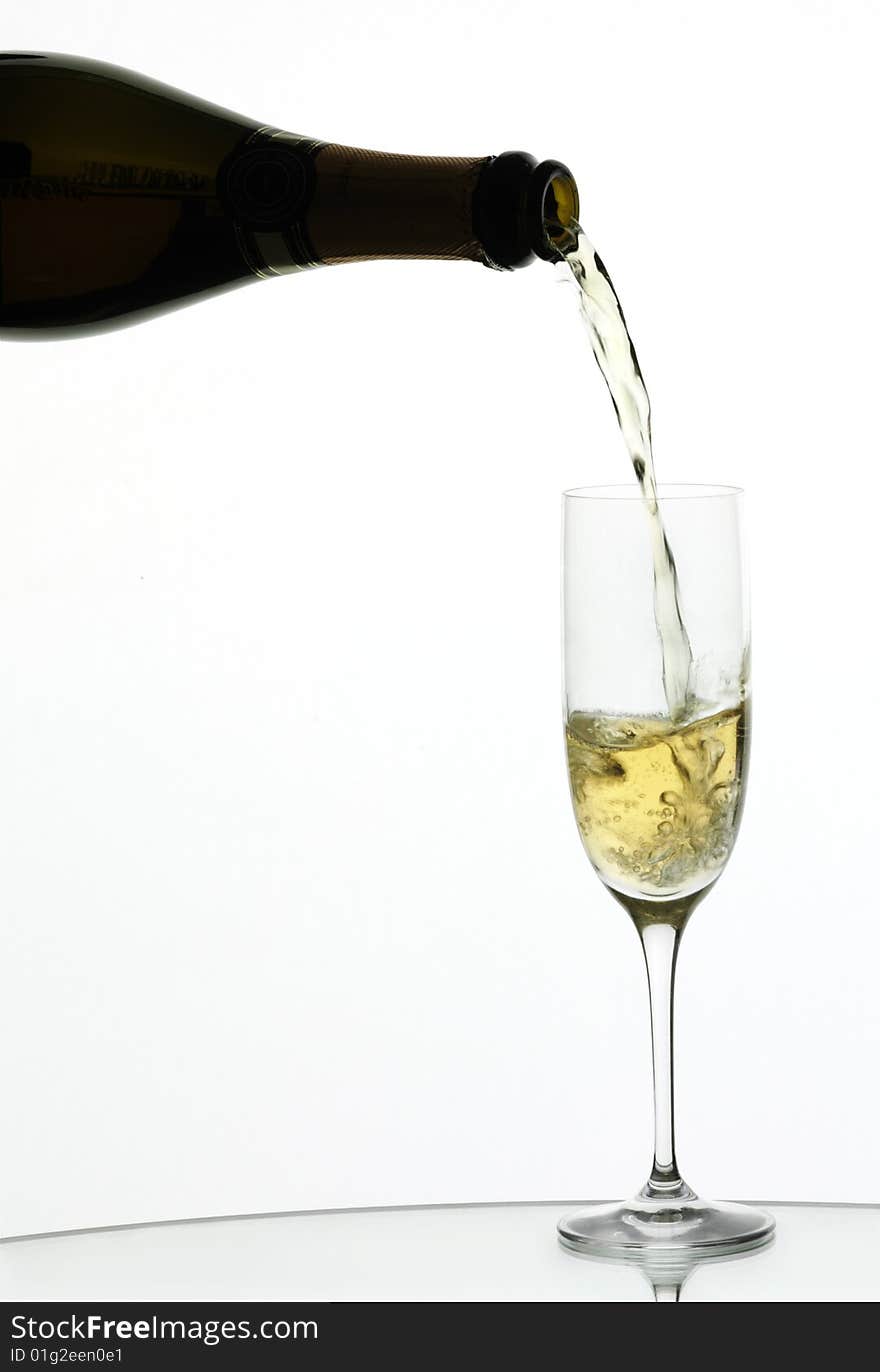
x=120, y=198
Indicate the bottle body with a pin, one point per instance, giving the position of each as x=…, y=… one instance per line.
x=120, y=198
x=108, y=197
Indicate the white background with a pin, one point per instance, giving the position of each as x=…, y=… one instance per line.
x=294, y=909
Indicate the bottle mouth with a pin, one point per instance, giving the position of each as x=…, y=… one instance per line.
x=522, y=209
x=556, y=204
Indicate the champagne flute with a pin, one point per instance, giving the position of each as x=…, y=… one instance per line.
x=657, y=800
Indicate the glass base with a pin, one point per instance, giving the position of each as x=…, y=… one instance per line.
x=664, y=1227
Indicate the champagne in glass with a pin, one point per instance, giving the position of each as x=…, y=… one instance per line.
x=657, y=803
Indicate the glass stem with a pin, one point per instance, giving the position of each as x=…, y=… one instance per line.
x=660, y=946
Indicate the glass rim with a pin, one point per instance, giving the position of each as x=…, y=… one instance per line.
x=666, y=490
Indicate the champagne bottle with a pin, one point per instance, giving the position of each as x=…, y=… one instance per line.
x=121, y=198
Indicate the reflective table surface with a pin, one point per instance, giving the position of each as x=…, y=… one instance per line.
x=444, y=1253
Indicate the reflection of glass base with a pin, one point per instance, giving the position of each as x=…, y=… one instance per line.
x=641, y=1227
x=666, y=1270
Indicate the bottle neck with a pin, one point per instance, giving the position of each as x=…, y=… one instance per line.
x=300, y=203
x=368, y=205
